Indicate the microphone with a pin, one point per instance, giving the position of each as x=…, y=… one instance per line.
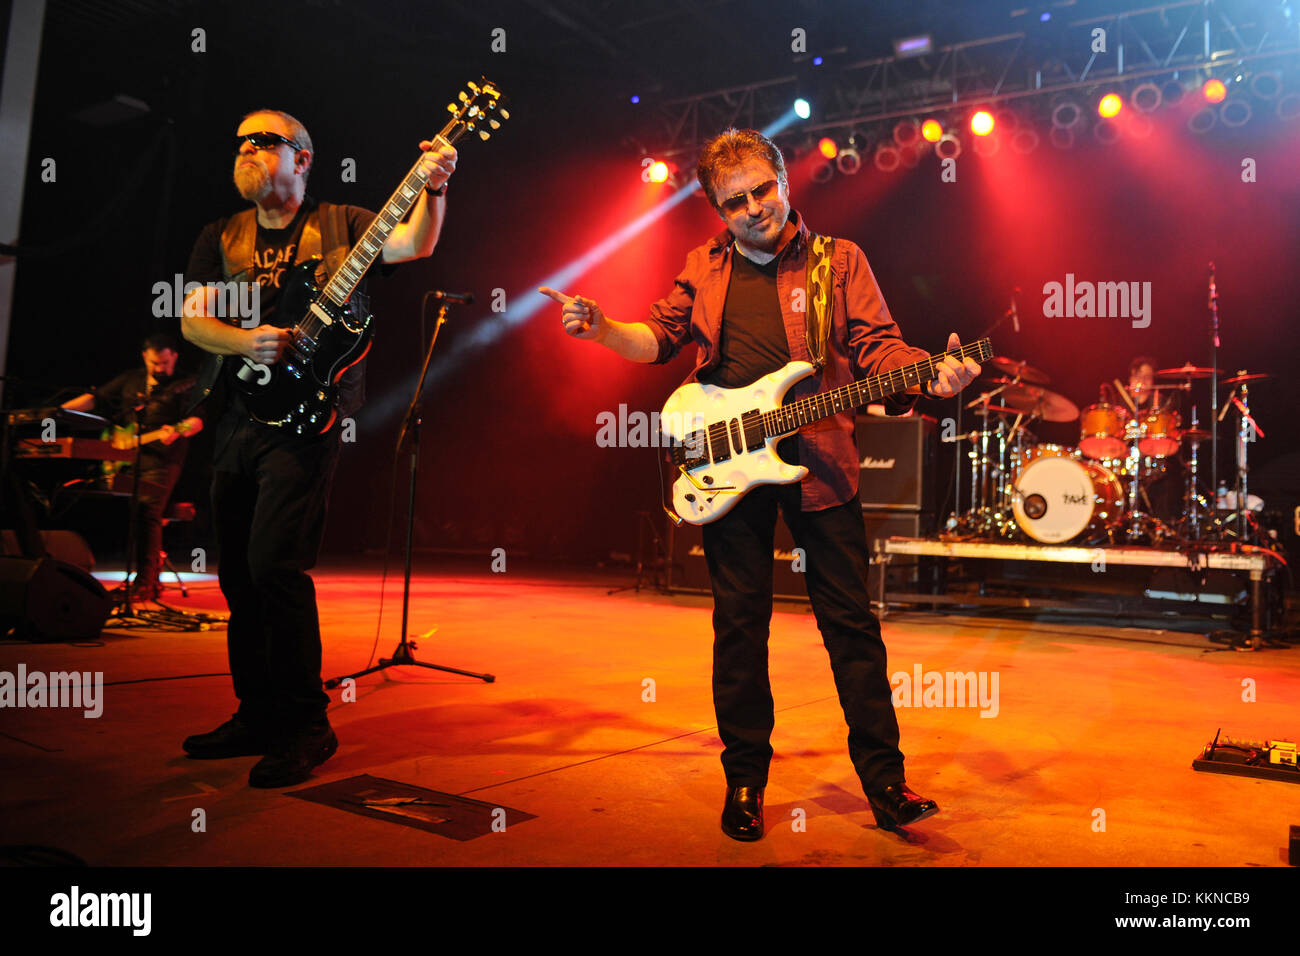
x=1015, y=316
x=457, y=298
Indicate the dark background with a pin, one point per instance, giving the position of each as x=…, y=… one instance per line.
x=510, y=457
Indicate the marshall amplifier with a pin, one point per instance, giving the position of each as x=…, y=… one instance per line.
x=688, y=571
x=896, y=462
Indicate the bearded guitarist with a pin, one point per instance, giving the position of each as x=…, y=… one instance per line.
x=740, y=298
x=151, y=402
x=270, y=484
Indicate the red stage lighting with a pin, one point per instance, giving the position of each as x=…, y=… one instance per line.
x=659, y=172
x=1110, y=105
x=981, y=124
x=1214, y=91
x=826, y=146
x=932, y=130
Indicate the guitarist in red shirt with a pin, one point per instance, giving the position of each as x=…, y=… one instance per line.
x=736, y=299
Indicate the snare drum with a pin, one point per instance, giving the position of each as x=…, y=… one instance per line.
x=1160, y=436
x=1057, y=499
x=1101, y=431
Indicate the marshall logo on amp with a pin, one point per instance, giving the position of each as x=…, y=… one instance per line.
x=870, y=462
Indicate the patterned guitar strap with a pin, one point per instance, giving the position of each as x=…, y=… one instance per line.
x=818, y=317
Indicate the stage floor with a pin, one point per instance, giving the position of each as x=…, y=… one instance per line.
x=1084, y=758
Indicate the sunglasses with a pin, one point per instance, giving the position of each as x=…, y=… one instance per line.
x=264, y=141
x=761, y=193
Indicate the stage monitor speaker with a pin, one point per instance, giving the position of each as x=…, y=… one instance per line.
x=45, y=599
x=896, y=462
x=690, y=571
x=62, y=544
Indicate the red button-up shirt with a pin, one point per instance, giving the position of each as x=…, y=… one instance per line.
x=864, y=341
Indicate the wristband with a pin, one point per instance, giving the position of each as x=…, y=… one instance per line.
x=441, y=190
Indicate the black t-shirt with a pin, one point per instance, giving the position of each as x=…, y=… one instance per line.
x=165, y=404
x=753, y=341
x=273, y=258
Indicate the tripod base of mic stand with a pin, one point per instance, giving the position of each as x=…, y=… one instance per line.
x=402, y=657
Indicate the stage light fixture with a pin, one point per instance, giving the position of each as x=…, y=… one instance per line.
x=1066, y=114
x=1062, y=137
x=1006, y=120
x=910, y=155
x=932, y=130
x=636, y=99
x=1235, y=112
x=1172, y=92
x=1214, y=90
x=826, y=146
x=823, y=172
x=802, y=108
x=1288, y=107
x=948, y=146
x=1202, y=121
x=849, y=160
x=981, y=124
x=906, y=132
x=1106, y=132
x=1109, y=105
x=1146, y=97
x=818, y=61
x=1266, y=85
x=887, y=158
x=913, y=46
x=1025, y=140
x=658, y=172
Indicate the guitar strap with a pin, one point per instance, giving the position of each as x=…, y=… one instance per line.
x=818, y=318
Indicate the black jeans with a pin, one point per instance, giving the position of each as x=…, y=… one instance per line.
x=269, y=495
x=738, y=549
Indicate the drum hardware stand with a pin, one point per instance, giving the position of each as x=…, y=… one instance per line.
x=1194, y=503
x=1247, y=530
x=409, y=437
x=1214, y=386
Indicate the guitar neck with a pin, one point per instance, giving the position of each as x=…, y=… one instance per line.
x=368, y=248
x=804, y=411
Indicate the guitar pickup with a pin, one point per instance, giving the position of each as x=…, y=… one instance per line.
x=304, y=342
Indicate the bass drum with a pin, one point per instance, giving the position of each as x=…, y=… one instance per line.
x=1057, y=499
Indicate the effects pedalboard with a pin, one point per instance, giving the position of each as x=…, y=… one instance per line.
x=1268, y=759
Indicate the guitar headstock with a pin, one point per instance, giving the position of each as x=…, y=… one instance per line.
x=481, y=109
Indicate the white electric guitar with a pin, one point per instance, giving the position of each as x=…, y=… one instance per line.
x=723, y=441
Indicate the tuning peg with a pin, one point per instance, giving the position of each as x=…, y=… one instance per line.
x=453, y=108
x=494, y=124
x=484, y=135
x=505, y=115
x=462, y=97
x=473, y=86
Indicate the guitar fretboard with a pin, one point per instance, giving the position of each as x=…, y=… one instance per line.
x=804, y=411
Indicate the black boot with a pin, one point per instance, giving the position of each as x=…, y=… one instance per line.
x=742, y=814
x=293, y=755
x=234, y=738
x=897, y=806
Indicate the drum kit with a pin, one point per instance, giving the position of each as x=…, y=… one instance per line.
x=1095, y=492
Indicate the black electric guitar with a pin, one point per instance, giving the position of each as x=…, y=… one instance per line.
x=300, y=392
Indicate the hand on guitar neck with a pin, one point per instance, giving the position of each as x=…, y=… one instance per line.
x=952, y=375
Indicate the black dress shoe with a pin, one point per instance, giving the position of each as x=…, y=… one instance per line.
x=897, y=806
x=742, y=814
x=291, y=758
x=234, y=738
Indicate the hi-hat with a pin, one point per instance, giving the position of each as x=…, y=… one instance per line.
x=1019, y=369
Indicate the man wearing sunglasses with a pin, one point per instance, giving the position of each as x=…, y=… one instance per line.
x=269, y=485
x=736, y=298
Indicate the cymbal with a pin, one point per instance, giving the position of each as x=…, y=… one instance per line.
x=1252, y=377
x=1015, y=367
x=995, y=409
x=1195, y=435
x=1045, y=404
x=1187, y=371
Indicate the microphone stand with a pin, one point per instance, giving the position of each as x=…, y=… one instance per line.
x=1214, y=397
x=410, y=437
